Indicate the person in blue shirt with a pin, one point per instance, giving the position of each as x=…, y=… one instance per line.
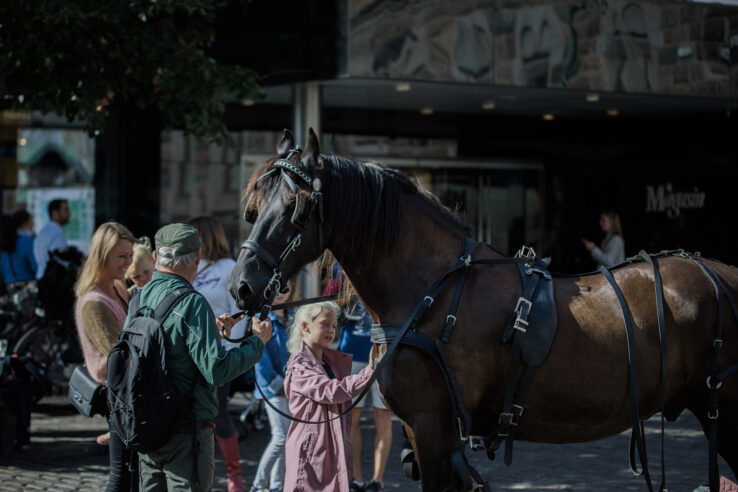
x=270, y=376
x=355, y=339
x=51, y=236
x=17, y=261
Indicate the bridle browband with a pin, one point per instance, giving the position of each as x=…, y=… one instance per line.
x=275, y=283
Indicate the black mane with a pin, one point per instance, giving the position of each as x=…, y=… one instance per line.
x=362, y=202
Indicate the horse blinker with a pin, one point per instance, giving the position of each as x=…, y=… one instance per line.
x=301, y=213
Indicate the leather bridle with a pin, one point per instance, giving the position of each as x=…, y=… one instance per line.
x=283, y=166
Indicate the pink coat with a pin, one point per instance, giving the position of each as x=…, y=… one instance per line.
x=318, y=456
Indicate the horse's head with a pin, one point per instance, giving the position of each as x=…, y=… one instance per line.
x=285, y=206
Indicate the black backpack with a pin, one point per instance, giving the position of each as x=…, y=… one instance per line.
x=145, y=407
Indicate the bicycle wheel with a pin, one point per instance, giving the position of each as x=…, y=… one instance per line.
x=47, y=344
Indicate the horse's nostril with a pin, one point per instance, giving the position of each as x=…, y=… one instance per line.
x=243, y=291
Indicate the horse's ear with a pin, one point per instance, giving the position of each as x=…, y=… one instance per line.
x=286, y=143
x=313, y=145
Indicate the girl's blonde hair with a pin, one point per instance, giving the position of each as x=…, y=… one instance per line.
x=103, y=241
x=307, y=314
x=141, y=252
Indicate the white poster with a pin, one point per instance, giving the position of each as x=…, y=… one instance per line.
x=81, y=226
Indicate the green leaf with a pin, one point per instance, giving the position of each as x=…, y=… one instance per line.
x=68, y=57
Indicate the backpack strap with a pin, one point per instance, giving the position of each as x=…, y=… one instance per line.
x=167, y=304
x=133, y=303
x=160, y=314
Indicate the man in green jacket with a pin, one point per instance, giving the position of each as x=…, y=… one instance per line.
x=196, y=360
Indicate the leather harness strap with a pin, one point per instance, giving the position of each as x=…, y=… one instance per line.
x=393, y=334
x=659, y=289
x=262, y=253
x=716, y=377
x=636, y=438
x=513, y=407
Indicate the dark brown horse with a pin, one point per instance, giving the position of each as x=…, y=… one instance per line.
x=394, y=240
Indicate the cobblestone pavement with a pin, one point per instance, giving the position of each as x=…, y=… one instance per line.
x=63, y=455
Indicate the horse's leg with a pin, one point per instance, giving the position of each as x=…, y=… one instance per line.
x=413, y=388
x=432, y=455
x=727, y=424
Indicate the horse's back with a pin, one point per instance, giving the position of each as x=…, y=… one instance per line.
x=589, y=360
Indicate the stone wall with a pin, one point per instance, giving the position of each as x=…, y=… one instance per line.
x=660, y=47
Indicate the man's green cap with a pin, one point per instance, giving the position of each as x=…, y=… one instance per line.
x=182, y=237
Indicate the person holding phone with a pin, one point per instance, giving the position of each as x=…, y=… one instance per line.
x=612, y=250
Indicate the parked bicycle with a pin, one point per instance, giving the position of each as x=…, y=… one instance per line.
x=36, y=319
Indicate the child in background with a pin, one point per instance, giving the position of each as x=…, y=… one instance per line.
x=142, y=268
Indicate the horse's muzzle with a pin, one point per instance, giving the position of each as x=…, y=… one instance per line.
x=240, y=289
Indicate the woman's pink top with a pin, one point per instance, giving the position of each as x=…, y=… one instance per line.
x=318, y=456
x=99, y=320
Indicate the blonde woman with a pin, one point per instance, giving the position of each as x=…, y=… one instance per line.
x=100, y=312
x=319, y=385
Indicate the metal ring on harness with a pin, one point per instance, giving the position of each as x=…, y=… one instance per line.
x=274, y=284
x=717, y=386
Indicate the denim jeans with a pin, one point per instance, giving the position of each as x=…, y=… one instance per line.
x=123, y=466
x=272, y=460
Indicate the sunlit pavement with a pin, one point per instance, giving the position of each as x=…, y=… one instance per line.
x=63, y=455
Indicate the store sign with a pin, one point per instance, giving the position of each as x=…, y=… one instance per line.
x=663, y=198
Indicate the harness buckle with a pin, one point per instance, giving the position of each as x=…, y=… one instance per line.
x=452, y=318
x=508, y=422
x=717, y=343
x=526, y=252
x=522, y=301
x=461, y=430
x=519, y=409
x=520, y=325
x=466, y=259
x=429, y=299
x=476, y=443
x=713, y=416
x=274, y=284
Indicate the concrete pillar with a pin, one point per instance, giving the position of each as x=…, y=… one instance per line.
x=306, y=112
x=307, y=104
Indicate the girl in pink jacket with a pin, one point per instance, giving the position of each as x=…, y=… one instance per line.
x=318, y=386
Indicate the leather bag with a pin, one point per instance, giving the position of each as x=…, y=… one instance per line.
x=85, y=394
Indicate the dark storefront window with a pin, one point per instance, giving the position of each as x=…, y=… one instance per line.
x=502, y=206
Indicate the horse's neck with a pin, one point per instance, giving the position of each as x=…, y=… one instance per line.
x=391, y=283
